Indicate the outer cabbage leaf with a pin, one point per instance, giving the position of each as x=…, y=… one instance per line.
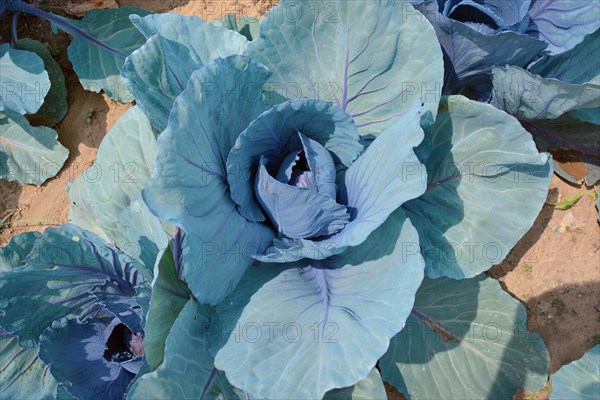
x=14, y=253
x=579, y=65
x=369, y=388
x=327, y=323
x=579, y=379
x=104, y=38
x=63, y=393
x=169, y=296
x=28, y=154
x=529, y=96
x=66, y=273
x=563, y=24
x=484, y=169
x=542, y=103
x=55, y=105
x=24, y=81
x=570, y=136
x=146, y=235
x=372, y=69
x=471, y=54
x=275, y=132
x=189, y=185
x=182, y=376
x=80, y=211
x=569, y=80
x=24, y=375
x=586, y=115
x=124, y=162
x=385, y=176
x=75, y=353
x=154, y=87
x=103, y=197
x=177, y=46
x=465, y=339
x=244, y=24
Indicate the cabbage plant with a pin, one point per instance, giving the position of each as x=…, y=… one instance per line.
x=308, y=218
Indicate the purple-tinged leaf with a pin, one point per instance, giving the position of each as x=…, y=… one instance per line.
x=189, y=186
x=563, y=23
x=465, y=339
x=385, y=176
x=375, y=69
x=274, y=135
x=69, y=272
x=90, y=358
x=297, y=212
x=324, y=325
x=477, y=152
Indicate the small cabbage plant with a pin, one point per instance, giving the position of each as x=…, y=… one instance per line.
x=32, y=83
x=308, y=218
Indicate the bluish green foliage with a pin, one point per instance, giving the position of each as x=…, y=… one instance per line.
x=55, y=105
x=579, y=379
x=472, y=49
x=28, y=154
x=528, y=96
x=24, y=375
x=320, y=313
x=183, y=375
x=369, y=388
x=99, y=67
x=76, y=353
x=370, y=196
x=478, y=155
x=265, y=216
x=169, y=296
x=177, y=46
x=32, y=79
x=295, y=179
x=367, y=68
x=103, y=198
x=24, y=81
x=67, y=272
x=246, y=25
x=190, y=167
x=577, y=65
x=470, y=336
x=14, y=253
x=558, y=101
x=72, y=265
x=101, y=42
x=562, y=24
x=476, y=36
x=556, y=41
x=324, y=123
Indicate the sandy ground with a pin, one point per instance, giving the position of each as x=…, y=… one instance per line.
x=554, y=270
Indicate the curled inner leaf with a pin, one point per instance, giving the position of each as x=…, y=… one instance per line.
x=299, y=211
